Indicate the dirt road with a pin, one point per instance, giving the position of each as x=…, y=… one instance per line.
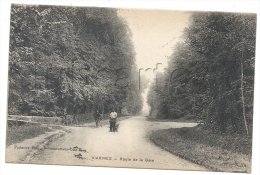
x=130, y=147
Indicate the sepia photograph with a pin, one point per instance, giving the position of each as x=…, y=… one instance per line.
x=137, y=88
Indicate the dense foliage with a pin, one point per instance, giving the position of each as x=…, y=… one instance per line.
x=70, y=60
x=211, y=73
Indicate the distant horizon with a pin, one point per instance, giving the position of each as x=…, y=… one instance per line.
x=154, y=34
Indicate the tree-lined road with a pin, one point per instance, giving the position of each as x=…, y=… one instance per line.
x=104, y=148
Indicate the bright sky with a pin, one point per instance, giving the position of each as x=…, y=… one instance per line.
x=155, y=32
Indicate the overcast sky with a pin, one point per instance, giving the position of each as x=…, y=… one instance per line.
x=154, y=33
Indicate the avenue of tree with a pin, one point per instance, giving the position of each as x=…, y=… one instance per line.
x=73, y=60
x=210, y=75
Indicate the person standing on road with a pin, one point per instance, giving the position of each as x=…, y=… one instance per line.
x=113, y=119
x=97, y=118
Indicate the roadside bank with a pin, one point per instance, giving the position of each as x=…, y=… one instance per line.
x=223, y=153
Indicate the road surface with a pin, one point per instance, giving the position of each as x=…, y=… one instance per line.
x=130, y=147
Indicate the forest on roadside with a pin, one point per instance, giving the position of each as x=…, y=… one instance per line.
x=210, y=75
x=70, y=59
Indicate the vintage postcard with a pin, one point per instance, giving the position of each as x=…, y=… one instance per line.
x=131, y=88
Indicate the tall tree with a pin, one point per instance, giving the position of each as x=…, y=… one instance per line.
x=209, y=70
x=68, y=60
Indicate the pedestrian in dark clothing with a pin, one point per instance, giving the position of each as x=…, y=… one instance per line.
x=97, y=118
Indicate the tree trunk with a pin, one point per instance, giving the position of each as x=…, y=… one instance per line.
x=102, y=108
x=35, y=74
x=242, y=93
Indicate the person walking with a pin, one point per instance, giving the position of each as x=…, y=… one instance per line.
x=97, y=118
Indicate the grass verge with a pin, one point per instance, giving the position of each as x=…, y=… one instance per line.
x=225, y=153
x=17, y=134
